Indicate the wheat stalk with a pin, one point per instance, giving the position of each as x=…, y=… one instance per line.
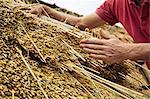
x=28, y=66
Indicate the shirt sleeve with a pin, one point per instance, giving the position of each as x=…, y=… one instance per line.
x=107, y=12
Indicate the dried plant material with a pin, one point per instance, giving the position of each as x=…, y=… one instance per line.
x=32, y=73
x=120, y=88
x=76, y=53
x=64, y=73
x=13, y=96
x=35, y=46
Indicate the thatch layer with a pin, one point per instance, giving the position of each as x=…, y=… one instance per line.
x=41, y=58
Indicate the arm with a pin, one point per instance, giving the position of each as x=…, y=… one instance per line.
x=89, y=21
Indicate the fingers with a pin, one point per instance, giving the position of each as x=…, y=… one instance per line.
x=99, y=57
x=36, y=11
x=33, y=11
x=91, y=51
x=93, y=46
x=92, y=41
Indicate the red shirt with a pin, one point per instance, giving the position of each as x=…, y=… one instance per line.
x=134, y=18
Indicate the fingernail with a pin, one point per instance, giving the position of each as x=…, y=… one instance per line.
x=81, y=45
x=82, y=41
x=84, y=48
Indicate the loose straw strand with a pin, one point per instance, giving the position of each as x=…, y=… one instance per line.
x=27, y=65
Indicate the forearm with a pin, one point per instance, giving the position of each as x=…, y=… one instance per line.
x=90, y=21
x=72, y=20
x=139, y=51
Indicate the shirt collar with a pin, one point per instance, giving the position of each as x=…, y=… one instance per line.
x=145, y=1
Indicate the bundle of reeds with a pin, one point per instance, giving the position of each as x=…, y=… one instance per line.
x=42, y=59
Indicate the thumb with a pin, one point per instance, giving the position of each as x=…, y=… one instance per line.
x=35, y=11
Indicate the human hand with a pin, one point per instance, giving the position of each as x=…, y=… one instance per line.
x=38, y=10
x=110, y=49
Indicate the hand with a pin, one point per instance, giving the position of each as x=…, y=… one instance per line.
x=38, y=10
x=110, y=49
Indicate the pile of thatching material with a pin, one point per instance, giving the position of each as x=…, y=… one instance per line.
x=40, y=58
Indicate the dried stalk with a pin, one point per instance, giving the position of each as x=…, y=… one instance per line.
x=120, y=88
x=64, y=29
x=137, y=80
x=53, y=38
x=92, y=81
x=73, y=34
x=125, y=91
x=4, y=43
x=85, y=88
x=75, y=52
x=80, y=71
x=13, y=94
x=88, y=77
x=132, y=62
x=38, y=82
x=111, y=90
x=65, y=20
x=34, y=45
x=90, y=69
x=11, y=1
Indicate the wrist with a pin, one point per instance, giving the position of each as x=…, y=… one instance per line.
x=138, y=52
x=127, y=52
x=132, y=54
